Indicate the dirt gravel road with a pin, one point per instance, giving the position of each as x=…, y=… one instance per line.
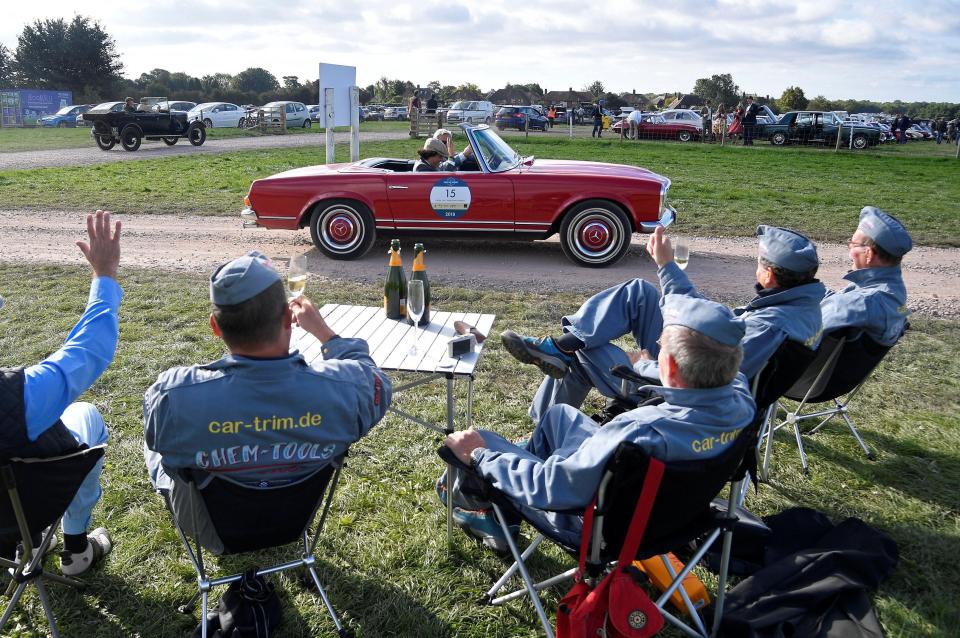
x=722, y=268
x=151, y=150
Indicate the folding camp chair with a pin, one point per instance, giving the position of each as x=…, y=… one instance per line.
x=228, y=517
x=684, y=511
x=844, y=362
x=38, y=492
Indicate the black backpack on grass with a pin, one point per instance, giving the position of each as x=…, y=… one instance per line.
x=250, y=608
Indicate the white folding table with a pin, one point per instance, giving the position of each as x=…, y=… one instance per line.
x=389, y=343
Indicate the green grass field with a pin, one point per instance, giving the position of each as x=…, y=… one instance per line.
x=41, y=139
x=384, y=556
x=716, y=190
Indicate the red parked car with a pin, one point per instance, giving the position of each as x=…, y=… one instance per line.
x=653, y=126
x=595, y=207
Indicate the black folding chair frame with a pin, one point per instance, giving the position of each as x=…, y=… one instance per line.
x=307, y=560
x=29, y=569
x=720, y=524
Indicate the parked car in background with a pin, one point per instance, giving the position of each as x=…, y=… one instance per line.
x=594, y=207
x=218, y=115
x=654, y=126
x=297, y=114
x=816, y=127
x=522, y=118
x=471, y=112
x=174, y=106
x=315, y=115
x=374, y=113
x=682, y=115
x=65, y=117
x=394, y=113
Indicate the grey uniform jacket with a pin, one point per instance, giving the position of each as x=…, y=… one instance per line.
x=262, y=421
x=771, y=318
x=875, y=301
x=690, y=424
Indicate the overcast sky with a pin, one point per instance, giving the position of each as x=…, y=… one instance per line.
x=879, y=50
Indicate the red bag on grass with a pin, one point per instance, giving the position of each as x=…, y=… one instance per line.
x=618, y=607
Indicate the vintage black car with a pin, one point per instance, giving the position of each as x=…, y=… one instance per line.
x=112, y=123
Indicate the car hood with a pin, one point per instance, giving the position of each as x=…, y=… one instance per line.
x=320, y=169
x=587, y=169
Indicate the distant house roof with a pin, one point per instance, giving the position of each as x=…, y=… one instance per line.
x=569, y=96
x=686, y=101
x=512, y=95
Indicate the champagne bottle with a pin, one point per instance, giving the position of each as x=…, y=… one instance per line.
x=395, y=288
x=420, y=272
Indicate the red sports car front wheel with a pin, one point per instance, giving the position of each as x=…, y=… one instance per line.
x=342, y=229
x=595, y=233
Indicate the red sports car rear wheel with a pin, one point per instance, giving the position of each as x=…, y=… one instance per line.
x=342, y=229
x=595, y=233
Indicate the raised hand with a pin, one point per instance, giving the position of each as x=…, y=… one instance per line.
x=306, y=315
x=659, y=247
x=103, y=249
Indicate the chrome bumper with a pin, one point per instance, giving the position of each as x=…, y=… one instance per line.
x=248, y=218
x=667, y=216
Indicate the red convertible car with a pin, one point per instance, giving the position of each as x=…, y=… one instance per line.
x=594, y=207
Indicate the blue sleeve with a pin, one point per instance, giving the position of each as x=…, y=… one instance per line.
x=568, y=478
x=674, y=281
x=54, y=383
x=373, y=386
x=759, y=343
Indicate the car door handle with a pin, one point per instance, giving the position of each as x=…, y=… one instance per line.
x=398, y=188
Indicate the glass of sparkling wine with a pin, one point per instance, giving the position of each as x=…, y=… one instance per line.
x=681, y=252
x=297, y=275
x=415, y=307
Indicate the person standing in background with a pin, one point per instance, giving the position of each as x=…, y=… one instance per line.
x=749, y=121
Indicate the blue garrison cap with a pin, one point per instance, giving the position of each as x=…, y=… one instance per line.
x=787, y=249
x=886, y=230
x=241, y=279
x=706, y=317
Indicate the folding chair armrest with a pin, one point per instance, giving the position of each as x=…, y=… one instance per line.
x=479, y=487
x=622, y=371
x=474, y=485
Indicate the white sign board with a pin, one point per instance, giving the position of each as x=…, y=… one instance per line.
x=340, y=79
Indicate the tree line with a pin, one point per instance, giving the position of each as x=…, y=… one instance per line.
x=80, y=56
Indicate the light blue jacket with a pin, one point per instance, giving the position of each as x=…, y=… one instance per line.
x=875, y=300
x=263, y=420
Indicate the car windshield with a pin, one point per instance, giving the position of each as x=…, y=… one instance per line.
x=495, y=152
x=458, y=105
x=65, y=110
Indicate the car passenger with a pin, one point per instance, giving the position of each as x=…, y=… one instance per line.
x=434, y=157
x=129, y=105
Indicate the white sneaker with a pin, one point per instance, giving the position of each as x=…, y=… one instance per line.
x=98, y=546
x=33, y=552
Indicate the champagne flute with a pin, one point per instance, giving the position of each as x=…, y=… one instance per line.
x=415, y=307
x=297, y=275
x=681, y=252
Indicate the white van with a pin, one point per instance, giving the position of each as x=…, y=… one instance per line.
x=471, y=112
